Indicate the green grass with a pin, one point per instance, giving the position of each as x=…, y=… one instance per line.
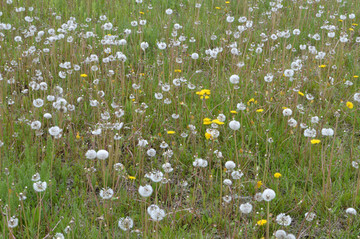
x=314, y=177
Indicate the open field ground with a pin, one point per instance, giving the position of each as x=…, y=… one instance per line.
x=179, y=119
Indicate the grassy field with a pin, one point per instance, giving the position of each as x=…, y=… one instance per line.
x=179, y=119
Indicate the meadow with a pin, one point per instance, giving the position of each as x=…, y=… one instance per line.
x=179, y=119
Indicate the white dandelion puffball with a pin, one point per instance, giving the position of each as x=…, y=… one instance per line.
x=151, y=152
x=287, y=112
x=327, y=132
x=280, y=234
x=13, y=222
x=227, y=182
x=234, y=79
x=90, y=154
x=47, y=116
x=246, y=208
x=157, y=214
x=357, y=97
x=125, y=224
x=145, y=191
x=268, y=195
x=230, y=165
x=310, y=216
x=195, y=56
x=351, y=211
x=234, y=125
x=106, y=193
x=283, y=220
x=55, y=131
x=59, y=235
x=102, y=154
x=40, y=186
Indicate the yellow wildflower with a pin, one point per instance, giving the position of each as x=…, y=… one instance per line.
x=131, y=177
x=277, y=175
x=259, y=184
x=177, y=70
x=216, y=121
x=259, y=110
x=208, y=135
x=349, y=105
x=233, y=112
x=300, y=93
x=83, y=75
x=315, y=141
x=77, y=135
x=171, y=132
x=261, y=222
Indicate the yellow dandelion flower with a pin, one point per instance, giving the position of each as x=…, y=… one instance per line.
x=233, y=112
x=355, y=24
x=171, y=132
x=227, y=2
x=351, y=29
x=218, y=8
x=322, y=66
x=315, y=141
x=216, y=121
x=300, y=93
x=259, y=110
x=277, y=175
x=208, y=92
x=83, y=75
x=177, y=70
x=261, y=222
x=131, y=177
x=349, y=105
x=356, y=76
x=77, y=135
x=208, y=135
x=259, y=184
x=142, y=13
